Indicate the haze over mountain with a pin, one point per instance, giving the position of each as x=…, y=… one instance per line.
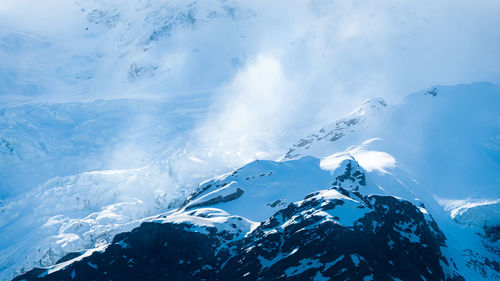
x=337, y=182
x=112, y=114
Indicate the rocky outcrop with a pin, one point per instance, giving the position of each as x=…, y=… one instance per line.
x=331, y=234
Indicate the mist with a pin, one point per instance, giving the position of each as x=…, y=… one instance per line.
x=267, y=73
x=113, y=112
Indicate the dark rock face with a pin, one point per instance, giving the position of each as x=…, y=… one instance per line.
x=492, y=233
x=304, y=241
x=152, y=251
x=483, y=264
x=352, y=178
x=314, y=247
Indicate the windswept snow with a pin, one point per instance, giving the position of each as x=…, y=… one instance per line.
x=368, y=159
x=199, y=219
x=477, y=213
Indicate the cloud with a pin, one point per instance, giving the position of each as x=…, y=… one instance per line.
x=267, y=71
x=243, y=121
x=335, y=54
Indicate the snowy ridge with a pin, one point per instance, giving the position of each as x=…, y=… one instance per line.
x=339, y=131
x=109, y=121
x=79, y=212
x=69, y=214
x=232, y=226
x=456, y=126
x=473, y=212
x=46, y=217
x=383, y=166
x=246, y=191
x=435, y=154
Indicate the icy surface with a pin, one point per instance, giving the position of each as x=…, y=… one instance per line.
x=472, y=212
x=75, y=168
x=454, y=134
x=412, y=162
x=449, y=149
x=263, y=187
x=62, y=139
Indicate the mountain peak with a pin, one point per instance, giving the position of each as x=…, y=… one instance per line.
x=321, y=142
x=372, y=104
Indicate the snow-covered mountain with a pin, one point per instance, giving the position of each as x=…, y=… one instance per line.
x=95, y=169
x=112, y=113
x=247, y=225
x=446, y=138
x=367, y=196
x=439, y=134
x=91, y=173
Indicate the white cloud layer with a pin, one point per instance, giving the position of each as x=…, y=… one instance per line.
x=268, y=70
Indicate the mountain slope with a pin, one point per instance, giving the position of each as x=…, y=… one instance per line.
x=440, y=135
x=344, y=233
x=379, y=151
x=446, y=139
